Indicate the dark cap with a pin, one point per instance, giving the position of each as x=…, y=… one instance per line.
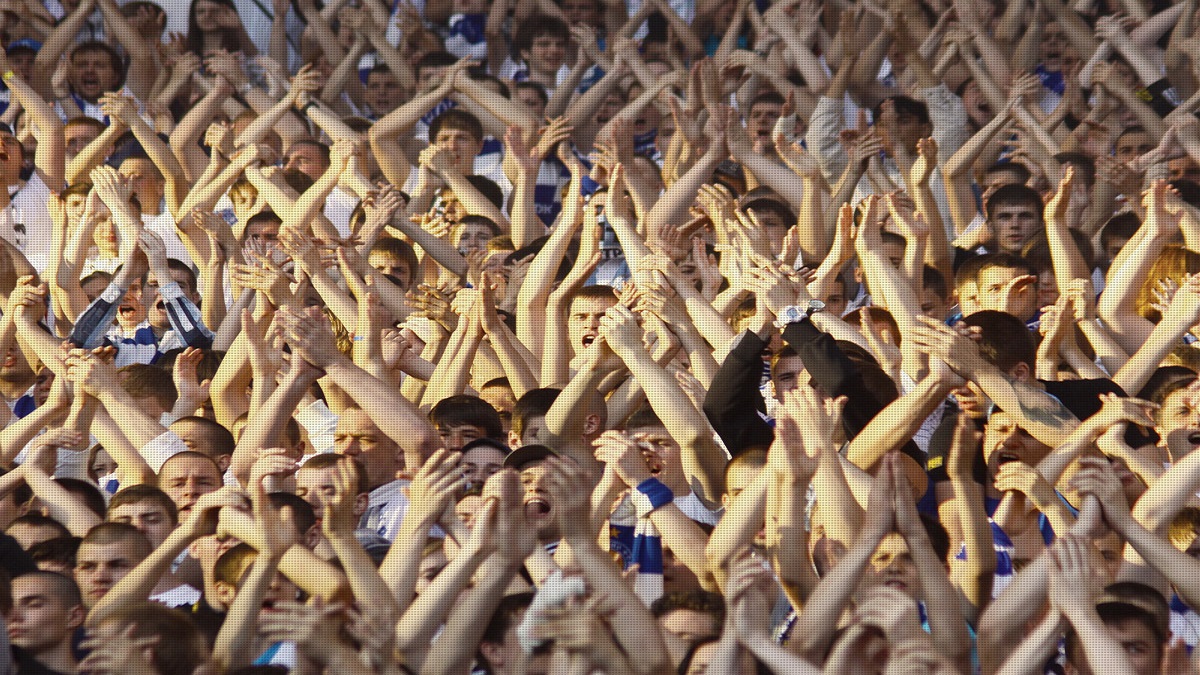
x=486, y=443
x=768, y=200
x=523, y=456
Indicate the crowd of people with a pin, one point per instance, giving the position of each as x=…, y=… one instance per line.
x=600, y=336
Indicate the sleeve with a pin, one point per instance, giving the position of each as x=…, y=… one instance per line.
x=95, y=321
x=319, y=421
x=161, y=448
x=949, y=119
x=824, y=125
x=734, y=406
x=837, y=375
x=185, y=317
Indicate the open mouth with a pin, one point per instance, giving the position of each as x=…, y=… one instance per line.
x=536, y=507
x=588, y=340
x=1194, y=438
x=1006, y=457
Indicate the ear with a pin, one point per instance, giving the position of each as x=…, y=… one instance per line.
x=360, y=504
x=223, y=462
x=225, y=592
x=1021, y=372
x=312, y=537
x=492, y=653
x=591, y=425
x=75, y=616
x=514, y=441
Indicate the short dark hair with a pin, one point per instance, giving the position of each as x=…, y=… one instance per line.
x=1006, y=340
x=536, y=88
x=118, y=63
x=132, y=538
x=63, y=586
x=1014, y=194
x=535, y=403
x=1022, y=172
x=463, y=409
x=328, y=460
x=905, y=105
x=456, y=118
x=218, y=440
x=142, y=380
x=60, y=550
x=136, y=494
x=86, y=492
x=536, y=26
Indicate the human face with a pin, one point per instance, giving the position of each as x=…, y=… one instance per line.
x=98, y=567
x=207, y=14
x=186, y=479
x=774, y=226
x=314, y=484
x=307, y=159
x=11, y=155
x=892, y=565
x=156, y=308
x=40, y=620
x=993, y=283
x=1014, y=225
x=1179, y=423
x=388, y=264
x=1004, y=441
x=785, y=376
x=1132, y=145
x=77, y=137
x=462, y=145
x=481, y=463
x=546, y=54
x=663, y=457
x=473, y=237
x=689, y=625
x=531, y=100
x=539, y=508
x=15, y=367
x=103, y=464
x=383, y=92
x=431, y=565
x=455, y=437
x=146, y=180
x=1053, y=46
x=92, y=73
x=357, y=436
x=934, y=306
x=148, y=517
x=583, y=320
x=761, y=121
x=264, y=232
x=1141, y=646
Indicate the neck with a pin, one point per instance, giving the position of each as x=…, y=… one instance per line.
x=12, y=389
x=59, y=657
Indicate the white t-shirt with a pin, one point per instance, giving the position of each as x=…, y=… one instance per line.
x=26, y=222
x=385, y=509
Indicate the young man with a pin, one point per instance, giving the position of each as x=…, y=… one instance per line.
x=108, y=553
x=47, y=609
